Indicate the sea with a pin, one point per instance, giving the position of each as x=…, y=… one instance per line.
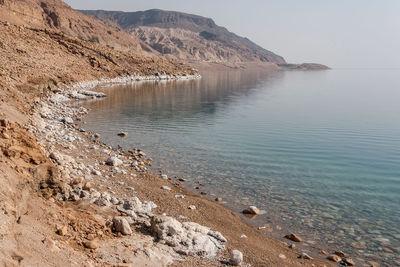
x=318, y=152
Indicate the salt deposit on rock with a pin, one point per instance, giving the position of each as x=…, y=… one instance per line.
x=187, y=238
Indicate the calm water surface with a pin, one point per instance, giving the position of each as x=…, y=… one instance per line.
x=318, y=152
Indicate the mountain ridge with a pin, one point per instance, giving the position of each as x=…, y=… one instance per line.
x=187, y=36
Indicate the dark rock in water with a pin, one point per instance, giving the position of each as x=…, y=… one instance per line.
x=294, y=238
x=252, y=210
x=123, y=134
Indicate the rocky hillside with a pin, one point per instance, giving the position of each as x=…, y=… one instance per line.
x=58, y=16
x=187, y=37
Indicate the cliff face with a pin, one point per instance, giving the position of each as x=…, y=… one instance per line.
x=187, y=37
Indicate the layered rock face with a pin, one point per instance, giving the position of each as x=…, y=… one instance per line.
x=187, y=37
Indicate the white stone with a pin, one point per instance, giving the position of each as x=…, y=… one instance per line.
x=114, y=161
x=236, y=258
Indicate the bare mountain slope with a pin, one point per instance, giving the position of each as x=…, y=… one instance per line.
x=187, y=37
x=58, y=16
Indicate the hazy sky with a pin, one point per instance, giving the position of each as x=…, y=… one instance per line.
x=338, y=33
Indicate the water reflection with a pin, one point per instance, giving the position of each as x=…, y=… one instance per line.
x=301, y=146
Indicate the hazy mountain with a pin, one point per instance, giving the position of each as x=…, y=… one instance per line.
x=187, y=37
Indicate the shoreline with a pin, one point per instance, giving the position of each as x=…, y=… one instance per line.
x=178, y=188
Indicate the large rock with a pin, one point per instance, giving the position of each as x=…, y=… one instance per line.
x=187, y=238
x=121, y=225
x=236, y=258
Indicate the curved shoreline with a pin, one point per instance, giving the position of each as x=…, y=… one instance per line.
x=210, y=204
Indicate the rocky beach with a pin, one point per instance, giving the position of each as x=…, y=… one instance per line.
x=66, y=198
x=103, y=206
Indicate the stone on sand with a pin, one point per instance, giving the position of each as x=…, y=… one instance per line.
x=121, y=225
x=236, y=258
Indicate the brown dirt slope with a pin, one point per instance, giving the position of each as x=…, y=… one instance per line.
x=56, y=15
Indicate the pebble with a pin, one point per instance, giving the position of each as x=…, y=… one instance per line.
x=96, y=172
x=348, y=261
x=323, y=252
x=123, y=134
x=114, y=161
x=218, y=199
x=192, y=207
x=253, y=210
x=67, y=120
x=236, y=258
x=121, y=225
x=373, y=264
x=130, y=188
x=305, y=256
x=334, y=258
x=292, y=246
x=340, y=253
x=179, y=196
x=62, y=231
x=294, y=238
x=282, y=256
x=164, y=187
x=92, y=244
x=243, y=236
x=164, y=176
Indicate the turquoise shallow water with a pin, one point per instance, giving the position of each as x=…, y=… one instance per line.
x=319, y=152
